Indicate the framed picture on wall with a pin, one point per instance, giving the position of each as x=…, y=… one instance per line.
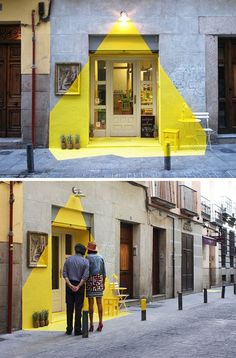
x=67, y=79
x=37, y=253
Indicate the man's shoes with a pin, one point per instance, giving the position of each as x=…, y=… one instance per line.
x=79, y=333
x=68, y=333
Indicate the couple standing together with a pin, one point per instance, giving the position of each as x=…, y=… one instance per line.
x=77, y=271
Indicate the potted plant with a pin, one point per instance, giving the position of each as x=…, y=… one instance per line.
x=63, y=142
x=46, y=321
x=91, y=129
x=35, y=318
x=70, y=142
x=41, y=319
x=77, y=141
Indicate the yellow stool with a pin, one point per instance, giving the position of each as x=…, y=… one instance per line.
x=171, y=136
x=110, y=305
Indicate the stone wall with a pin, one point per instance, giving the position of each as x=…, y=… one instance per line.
x=111, y=203
x=42, y=109
x=17, y=279
x=187, y=32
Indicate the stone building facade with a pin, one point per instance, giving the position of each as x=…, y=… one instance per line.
x=183, y=52
x=149, y=234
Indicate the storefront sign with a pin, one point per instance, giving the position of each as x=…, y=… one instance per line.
x=147, y=126
x=209, y=241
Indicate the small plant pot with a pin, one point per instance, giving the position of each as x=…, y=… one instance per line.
x=77, y=146
x=63, y=146
x=69, y=146
x=46, y=322
x=42, y=323
x=36, y=324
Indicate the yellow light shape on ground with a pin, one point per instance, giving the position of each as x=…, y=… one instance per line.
x=58, y=323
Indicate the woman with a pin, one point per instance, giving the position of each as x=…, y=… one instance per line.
x=95, y=284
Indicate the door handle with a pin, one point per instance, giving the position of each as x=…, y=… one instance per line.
x=135, y=99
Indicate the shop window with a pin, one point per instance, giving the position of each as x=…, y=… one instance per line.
x=68, y=244
x=231, y=261
x=55, y=262
x=146, y=77
x=123, y=88
x=231, y=278
x=100, y=93
x=223, y=278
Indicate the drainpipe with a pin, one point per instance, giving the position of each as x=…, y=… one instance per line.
x=33, y=77
x=10, y=258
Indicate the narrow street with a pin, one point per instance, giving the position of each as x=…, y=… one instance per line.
x=200, y=330
x=218, y=163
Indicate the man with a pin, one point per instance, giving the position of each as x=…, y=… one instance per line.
x=75, y=273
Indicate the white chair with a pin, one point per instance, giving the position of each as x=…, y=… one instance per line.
x=204, y=118
x=119, y=292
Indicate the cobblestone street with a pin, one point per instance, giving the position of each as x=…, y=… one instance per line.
x=218, y=163
x=200, y=330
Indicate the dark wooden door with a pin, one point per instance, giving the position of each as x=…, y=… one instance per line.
x=155, y=264
x=187, y=262
x=227, y=85
x=126, y=257
x=10, y=90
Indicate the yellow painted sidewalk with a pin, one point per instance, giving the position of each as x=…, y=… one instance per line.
x=58, y=323
x=123, y=147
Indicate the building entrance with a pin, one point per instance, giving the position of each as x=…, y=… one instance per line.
x=227, y=85
x=123, y=90
x=63, y=243
x=126, y=257
x=187, y=262
x=10, y=81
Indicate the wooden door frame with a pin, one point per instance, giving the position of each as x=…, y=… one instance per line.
x=131, y=256
x=109, y=95
x=61, y=233
x=228, y=83
x=11, y=38
x=156, y=238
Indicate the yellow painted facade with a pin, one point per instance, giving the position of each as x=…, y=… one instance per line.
x=17, y=212
x=37, y=290
x=19, y=11
x=71, y=115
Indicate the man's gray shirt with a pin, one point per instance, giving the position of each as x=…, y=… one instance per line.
x=76, y=268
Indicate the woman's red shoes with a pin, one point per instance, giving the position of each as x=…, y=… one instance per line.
x=100, y=327
x=91, y=328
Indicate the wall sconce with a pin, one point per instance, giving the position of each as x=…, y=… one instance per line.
x=77, y=192
x=123, y=16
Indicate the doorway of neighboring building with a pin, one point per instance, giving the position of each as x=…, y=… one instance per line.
x=158, y=262
x=10, y=81
x=212, y=265
x=187, y=262
x=123, y=89
x=126, y=257
x=227, y=85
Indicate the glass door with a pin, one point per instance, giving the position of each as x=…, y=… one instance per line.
x=61, y=250
x=123, y=119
